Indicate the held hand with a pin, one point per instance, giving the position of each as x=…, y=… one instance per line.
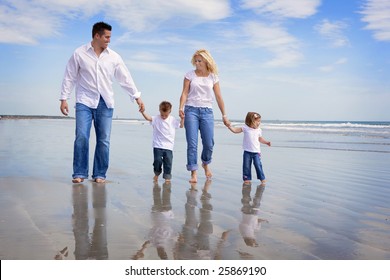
x=226, y=121
x=141, y=105
x=269, y=144
x=181, y=113
x=64, y=107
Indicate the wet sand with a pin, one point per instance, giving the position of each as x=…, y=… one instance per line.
x=317, y=203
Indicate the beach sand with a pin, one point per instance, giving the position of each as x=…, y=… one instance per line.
x=318, y=203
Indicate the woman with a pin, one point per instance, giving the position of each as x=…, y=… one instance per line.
x=199, y=88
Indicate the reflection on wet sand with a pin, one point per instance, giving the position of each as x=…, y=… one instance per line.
x=194, y=240
x=86, y=247
x=250, y=222
x=161, y=232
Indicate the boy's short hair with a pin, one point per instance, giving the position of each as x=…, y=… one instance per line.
x=165, y=106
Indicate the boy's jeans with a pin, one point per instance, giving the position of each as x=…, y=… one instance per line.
x=162, y=159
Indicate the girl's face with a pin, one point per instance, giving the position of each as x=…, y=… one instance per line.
x=256, y=122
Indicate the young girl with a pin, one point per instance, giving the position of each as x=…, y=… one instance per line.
x=251, y=145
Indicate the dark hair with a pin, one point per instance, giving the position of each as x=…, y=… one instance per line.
x=100, y=27
x=165, y=106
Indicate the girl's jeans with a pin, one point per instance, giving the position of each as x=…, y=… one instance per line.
x=102, y=120
x=199, y=119
x=162, y=159
x=248, y=157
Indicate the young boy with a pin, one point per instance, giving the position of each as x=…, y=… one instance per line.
x=164, y=129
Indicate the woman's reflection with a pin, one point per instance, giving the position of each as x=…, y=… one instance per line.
x=86, y=247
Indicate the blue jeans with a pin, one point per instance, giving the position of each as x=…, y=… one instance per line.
x=248, y=158
x=102, y=121
x=199, y=119
x=162, y=159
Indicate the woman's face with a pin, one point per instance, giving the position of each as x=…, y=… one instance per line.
x=200, y=64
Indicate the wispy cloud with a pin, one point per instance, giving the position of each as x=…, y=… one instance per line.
x=283, y=8
x=275, y=39
x=333, y=32
x=376, y=13
x=331, y=67
x=26, y=22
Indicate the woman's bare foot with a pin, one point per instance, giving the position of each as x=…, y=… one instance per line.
x=77, y=180
x=155, y=178
x=262, y=183
x=207, y=171
x=194, y=178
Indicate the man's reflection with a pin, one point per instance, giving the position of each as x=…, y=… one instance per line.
x=96, y=246
x=250, y=223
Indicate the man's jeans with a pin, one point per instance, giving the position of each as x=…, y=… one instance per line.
x=162, y=159
x=199, y=119
x=102, y=121
x=248, y=157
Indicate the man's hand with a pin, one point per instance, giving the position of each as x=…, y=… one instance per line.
x=64, y=107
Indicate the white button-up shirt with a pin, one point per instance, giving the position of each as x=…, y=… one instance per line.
x=93, y=77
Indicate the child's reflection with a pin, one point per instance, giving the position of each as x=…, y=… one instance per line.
x=250, y=222
x=96, y=246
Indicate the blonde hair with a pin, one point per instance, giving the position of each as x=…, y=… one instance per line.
x=210, y=63
x=251, y=117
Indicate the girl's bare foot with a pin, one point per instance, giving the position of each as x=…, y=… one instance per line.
x=207, y=171
x=155, y=178
x=194, y=178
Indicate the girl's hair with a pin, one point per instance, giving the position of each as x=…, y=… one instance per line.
x=165, y=106
x=211, y=66
x=251, y=117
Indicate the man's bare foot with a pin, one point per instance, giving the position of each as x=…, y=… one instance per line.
x=155, y=178
x=207, y=171
x=77, y=180
x=194, y=178
x=100, y=180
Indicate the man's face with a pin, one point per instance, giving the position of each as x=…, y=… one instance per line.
x=104, y=39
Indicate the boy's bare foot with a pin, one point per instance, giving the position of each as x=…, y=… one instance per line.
x=77, y=180
x=262, y=183
x=167, y=181
x=247, y=182
x=194, y=178
x=207, y=171
x=155, y=178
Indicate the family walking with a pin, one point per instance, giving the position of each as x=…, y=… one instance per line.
x=91, y=71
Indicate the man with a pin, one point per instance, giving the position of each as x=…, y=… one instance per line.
x=91, y=71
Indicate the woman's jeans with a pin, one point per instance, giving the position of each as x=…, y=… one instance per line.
x=248, y=158
x=102, y=120
x=162, y=159
x=199, y=119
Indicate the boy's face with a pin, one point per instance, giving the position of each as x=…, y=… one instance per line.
x=165, y=114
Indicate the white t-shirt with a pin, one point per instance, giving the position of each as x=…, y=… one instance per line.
x=251, y=141
x=164, y=132
x=201, y=93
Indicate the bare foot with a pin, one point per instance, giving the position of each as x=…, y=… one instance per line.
x=100, y=180
x=207, y=171
x=77, y=180
x=194, y=178
x=247, y=182
x=155, y=178
x=167, y=181
x=262, y=183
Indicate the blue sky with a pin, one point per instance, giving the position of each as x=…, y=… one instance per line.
x=287, y=60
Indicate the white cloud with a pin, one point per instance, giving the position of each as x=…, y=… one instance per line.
x=333, y=31
x=276, y=40
x=26, y=22
x=283, y=8
x=331, y=67
x=376, y=13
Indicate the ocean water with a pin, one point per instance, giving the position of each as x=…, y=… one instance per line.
x=327, y=195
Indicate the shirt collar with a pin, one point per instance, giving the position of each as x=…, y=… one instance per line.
x=89, y=47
